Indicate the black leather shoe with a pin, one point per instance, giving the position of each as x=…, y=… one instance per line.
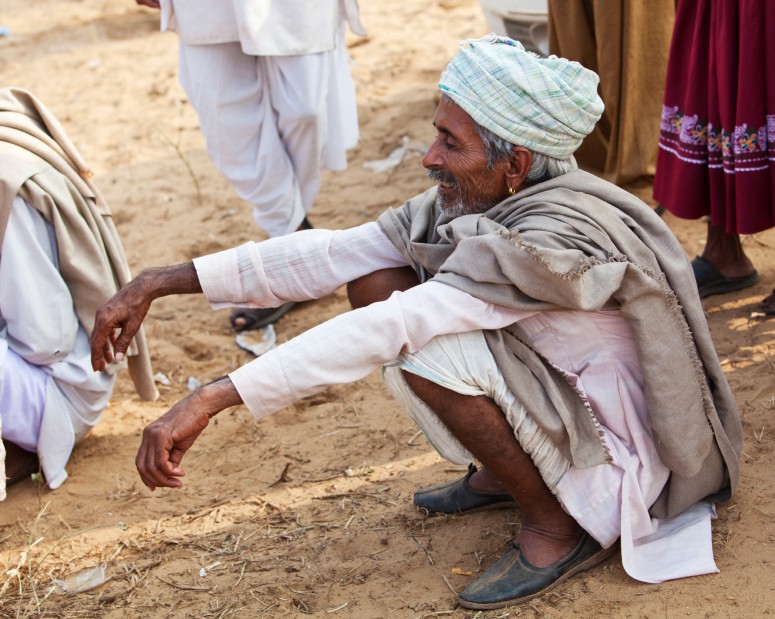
x=512, y=580
x=458, y=497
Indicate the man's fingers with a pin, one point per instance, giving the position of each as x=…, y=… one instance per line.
x=141, y=463
x=158, y=465
x=166, y=441
x=101, y=354
x=107, y=352
x=116, y=323
x=102, y=337
x=176, y=455
x=97, y=342
x=155, y=474
x=124, y=339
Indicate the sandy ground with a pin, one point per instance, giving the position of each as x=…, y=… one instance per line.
x=308, y=512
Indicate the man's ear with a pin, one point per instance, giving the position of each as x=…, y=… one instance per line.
x=519, y=165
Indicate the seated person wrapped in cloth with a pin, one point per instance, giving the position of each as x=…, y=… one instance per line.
x=532, y=318
x=61, y=259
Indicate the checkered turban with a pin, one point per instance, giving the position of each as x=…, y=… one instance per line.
x=547, y=105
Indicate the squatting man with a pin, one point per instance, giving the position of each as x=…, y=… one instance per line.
x=533, y=319
x=60, y=259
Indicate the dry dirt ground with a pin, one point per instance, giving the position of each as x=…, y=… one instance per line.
x=308, y=512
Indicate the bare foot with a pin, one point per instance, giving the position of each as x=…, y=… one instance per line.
x=725, y=252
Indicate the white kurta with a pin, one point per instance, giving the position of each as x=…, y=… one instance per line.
x=49, y=395
x=609, y=500
x=263, y=27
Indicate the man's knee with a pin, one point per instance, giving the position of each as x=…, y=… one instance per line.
x=379, y=285
x=305, y=114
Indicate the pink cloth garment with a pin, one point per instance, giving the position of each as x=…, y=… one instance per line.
x=597, y=352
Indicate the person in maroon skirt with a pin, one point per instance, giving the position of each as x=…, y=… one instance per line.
x=717, y=138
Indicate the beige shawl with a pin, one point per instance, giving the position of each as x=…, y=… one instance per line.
x=39, y=163
x=579, y=242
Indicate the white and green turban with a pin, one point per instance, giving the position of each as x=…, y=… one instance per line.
x=548, y=105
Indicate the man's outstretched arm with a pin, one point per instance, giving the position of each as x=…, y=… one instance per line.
x=126, y=310
x=343, y=349
x=166, y=440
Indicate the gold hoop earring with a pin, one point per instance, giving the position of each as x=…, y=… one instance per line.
x=512, y=191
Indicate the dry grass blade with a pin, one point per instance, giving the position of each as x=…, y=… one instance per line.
x=183, y=587
x=182, y=157
x=424, y=549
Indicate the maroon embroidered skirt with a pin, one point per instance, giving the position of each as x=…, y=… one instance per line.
x=717, y=139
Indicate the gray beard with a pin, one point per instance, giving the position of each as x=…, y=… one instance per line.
x=458, y=208
x=452, y=210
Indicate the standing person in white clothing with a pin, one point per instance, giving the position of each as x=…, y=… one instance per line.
x=270, y=82
x=60, y=259
x=532, y=318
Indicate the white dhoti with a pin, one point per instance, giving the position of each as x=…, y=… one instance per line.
x=271, y=122
x=609, y=501
x=50, y=397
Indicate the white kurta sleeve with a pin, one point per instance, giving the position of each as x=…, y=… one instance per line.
x=297, y=267
x=351, y=345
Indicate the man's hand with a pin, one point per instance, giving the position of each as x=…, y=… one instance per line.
x=127, y=309
x=166, y=440
x=154, y=4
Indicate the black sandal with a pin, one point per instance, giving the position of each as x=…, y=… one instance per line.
x=711, y=281
x=258, y=318
x=767, y=304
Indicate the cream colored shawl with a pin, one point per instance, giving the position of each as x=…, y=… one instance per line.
x=581, y=243
x=39, y=163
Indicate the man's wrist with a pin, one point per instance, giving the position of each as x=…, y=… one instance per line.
x=159, y=282
x=218, y=395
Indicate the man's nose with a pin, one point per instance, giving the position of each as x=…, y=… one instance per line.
x=431, y=158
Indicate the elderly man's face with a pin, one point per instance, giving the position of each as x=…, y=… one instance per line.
x=457, y=161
